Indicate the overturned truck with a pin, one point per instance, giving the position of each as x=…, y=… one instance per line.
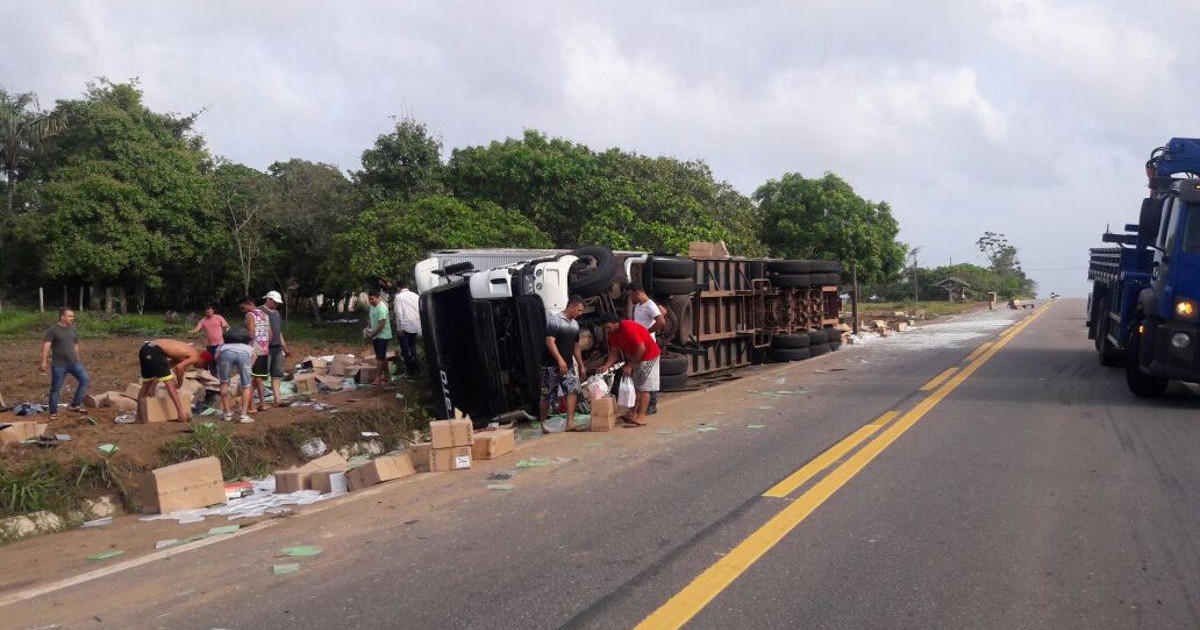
x=483, y=315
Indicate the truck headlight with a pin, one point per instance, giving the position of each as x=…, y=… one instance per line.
x=1181, y=340
x=1185, y=308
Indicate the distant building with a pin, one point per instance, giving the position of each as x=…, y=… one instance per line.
x=955, y=288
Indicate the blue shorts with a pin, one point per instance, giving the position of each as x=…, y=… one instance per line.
x=231, y=359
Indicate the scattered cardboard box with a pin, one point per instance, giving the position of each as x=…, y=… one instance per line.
x=190, y=485
x=493, y=444
x=604, y=414
x=121, y=402
x=20, y=430
x=702, y=249
x=367, y=373
x=381, y=469
x=132, y=390
x=96, y=401
x=420, y=455
x=162, y=408
x=305, y=382
x=332, y=383
x=450, y=433
x=327, y=481
x=300, y=477
x=343, y=365
x=453, y=458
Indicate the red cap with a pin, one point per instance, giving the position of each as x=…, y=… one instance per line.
x=206, y=357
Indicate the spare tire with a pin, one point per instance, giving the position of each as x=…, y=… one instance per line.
x=671, y=286
x=594, y=272
x=832, y=335
x=671, y=364
x=790, y=281
x=789, y=266
x=671, y=267
x=817, y=349
x=826, y=266
x=826, y=279
x=789, y=342
x=672, y=383
x=790, y=354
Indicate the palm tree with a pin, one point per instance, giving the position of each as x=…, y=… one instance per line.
x=23, y=128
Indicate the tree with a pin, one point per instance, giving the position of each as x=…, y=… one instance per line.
x=23, y=130
x=1005, y=264
x=825, y=219
x=385, y=241
x=404, y=164
x=249, y=202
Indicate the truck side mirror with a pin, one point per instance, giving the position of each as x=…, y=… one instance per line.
x=1149, y=220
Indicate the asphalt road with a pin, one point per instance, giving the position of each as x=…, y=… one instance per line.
x=1028, y=490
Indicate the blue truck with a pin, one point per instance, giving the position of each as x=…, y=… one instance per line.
x=1144, y=308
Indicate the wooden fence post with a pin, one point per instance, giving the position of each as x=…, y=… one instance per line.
x=41, y=300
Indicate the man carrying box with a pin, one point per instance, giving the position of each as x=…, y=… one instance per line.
x=641, y=361
x=155, y=359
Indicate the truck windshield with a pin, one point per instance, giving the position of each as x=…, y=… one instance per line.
x=1191, y=231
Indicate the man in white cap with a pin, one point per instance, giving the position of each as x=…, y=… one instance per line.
x=276, y=346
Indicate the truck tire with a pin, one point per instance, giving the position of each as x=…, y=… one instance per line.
x=1109, y=356
x=789, y=267
x=832, y=335
x=671, y=364
x=826, y=266
x=672, y=383
x=791, y=342
x=594, y=272
x=1140, y=383
x=671, y=267
x=790, y=280
x=818, y=349
x=756, y=270
x=826, y=279
x=671, y=286
x=790, y=354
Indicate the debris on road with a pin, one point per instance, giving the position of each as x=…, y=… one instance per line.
x=285, y=569
x=302, y=551
x=105, y=555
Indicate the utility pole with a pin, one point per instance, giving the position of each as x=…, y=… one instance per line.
x=916, y=290
x=854, y=294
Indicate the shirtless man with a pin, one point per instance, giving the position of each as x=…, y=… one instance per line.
x=165, y=361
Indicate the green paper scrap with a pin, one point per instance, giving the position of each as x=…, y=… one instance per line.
x=593, y=444
x=664, y=431
x=91, y=420
x=756, y=426
x=532, y=462
x=105, y=555
x=501, y=486
x=194, y=538
x=705, y=429
x=303, y=551
x=223, y=529
x=209, y=412
x=285, y=569
x=766, y=407
x=109, y=449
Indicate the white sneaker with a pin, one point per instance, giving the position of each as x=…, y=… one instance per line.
x=245, y=419
x=227, y=417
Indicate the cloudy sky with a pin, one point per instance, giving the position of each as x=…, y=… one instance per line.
x=1032, y=118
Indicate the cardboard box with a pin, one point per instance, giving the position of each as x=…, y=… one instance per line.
x=343, y=365
x=162, y=408
x=604, y=414
x=367, y=373
x=185, y=486
x=332, y=383
x=420, y=453
x=96, y=401
x=453, y=458
x=493, y=444
x=20, y=430
x=305, y=382
x=132, y=390
x=329, y=480
x=300, y=477
x=381, y=469
x=123, y=403
x=450, y=433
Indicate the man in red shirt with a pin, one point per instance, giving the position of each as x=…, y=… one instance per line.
x=641, y=360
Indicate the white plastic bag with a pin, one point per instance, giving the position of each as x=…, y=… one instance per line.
x=626, y=395
x=596, y=388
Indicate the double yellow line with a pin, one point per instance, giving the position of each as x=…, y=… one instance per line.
x=704, y=588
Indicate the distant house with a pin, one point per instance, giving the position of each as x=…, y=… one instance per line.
x=956, y=289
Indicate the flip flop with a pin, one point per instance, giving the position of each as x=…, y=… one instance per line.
x=630, y=424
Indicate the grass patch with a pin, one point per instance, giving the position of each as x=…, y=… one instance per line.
x=46, y=484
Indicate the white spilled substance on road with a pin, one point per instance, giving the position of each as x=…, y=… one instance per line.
x=949, y=334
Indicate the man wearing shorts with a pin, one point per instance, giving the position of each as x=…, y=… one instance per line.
x=647, y=313
x=559, y=360
x=641, y=360
x=380, y=334
x=165, y=361
x=258, y=323
x=231, y=356
x=276, y=346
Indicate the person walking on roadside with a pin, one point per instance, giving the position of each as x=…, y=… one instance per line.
x=258, y=324
x=647, y=313
x=214, y=327
x=380, y=333
x=408, y=327
x=276, y=345
x=559, y=360
x=641, y=361
x=166, y=361
x=60, y=356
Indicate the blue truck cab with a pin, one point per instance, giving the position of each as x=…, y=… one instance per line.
x=1144, y=309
